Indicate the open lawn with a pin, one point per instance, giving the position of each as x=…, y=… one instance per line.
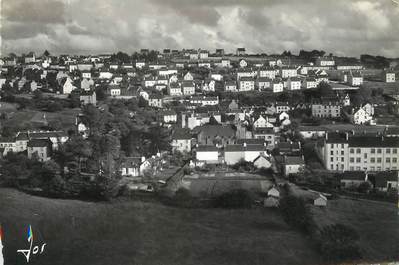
x=35, y=119
x=133, y=232
x=213, y=186
x=6, y=107
x=376, y=222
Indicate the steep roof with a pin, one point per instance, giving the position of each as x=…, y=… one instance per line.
x=294, y=160
x=216, y=130
x=39, y=143
x=353, y=175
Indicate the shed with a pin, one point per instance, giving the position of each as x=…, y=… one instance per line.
x=271, y=201
x=320, y=201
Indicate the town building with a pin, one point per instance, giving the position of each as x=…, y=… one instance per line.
x=343, y=152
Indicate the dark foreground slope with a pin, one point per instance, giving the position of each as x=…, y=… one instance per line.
x=132, y=232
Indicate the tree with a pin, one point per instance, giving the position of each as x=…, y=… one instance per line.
x=296, y=213
x=213, y=121
x=233, y=199
x=339, y=243
x=364, y=187
x=54, y=106
x=325, y=90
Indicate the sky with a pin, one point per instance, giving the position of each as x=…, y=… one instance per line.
x=342, y=27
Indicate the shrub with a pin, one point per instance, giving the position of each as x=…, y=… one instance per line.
x=339, y=242
x=183, y=198
x=233, y=199
x=296, y=214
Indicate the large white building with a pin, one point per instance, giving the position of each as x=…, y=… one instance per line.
x=343, y=152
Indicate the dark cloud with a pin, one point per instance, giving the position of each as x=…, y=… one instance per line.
x=37, y=11
x=76, y=26
x=203, y=15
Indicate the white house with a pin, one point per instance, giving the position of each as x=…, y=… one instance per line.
x=207, y=154
x=230, y=86
x=263, y=83
x=388, y=76
x=293, y=165
x=294, y=83
x=68, y=86
x=262, y=161
x=188, y=77
x=140, y=64
x=188, y=88
x=277, y=86
x=267, y=73
x=86, y=74
x=174, y=89
x=246, y=84
x=355, y=78
x=209, y=85
x=288, y=72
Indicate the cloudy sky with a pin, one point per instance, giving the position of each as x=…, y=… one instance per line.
x=343, y=27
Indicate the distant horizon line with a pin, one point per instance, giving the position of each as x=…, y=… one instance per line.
x=233, y=53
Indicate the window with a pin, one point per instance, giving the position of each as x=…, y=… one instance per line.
x=373, y=150
x=332, y=159
x=357, y=159
x=394, y=160
x=372, y=160
x=372, y=168
x=379, y=160
x=358, y=151
x=352, y=151
x=379, y=151
x=365, y=155
x=388, y=151
x=342, y=159
x=332, y=152
x=342, y=145
x=394, y=150
x=342, y=153
x=388, y=160
x=332, y=166
x=352, y=168
x=352, y=160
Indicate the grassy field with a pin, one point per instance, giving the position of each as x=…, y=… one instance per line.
x=34, y=118
x=213, y=186
x=377, y=224
x=132, y=232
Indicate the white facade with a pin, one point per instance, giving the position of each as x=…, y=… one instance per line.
x=246, y=85
x=278, y=87
x=207, y=155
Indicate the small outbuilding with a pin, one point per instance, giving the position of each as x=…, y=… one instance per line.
x=320, y=201
x=271, y=202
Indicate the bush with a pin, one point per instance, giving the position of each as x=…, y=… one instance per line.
x=233, y=199
x=339, y=242
x=364, y=187
x=183, y=198
x=54, y=107
x=243, y=166
x=296, y=214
